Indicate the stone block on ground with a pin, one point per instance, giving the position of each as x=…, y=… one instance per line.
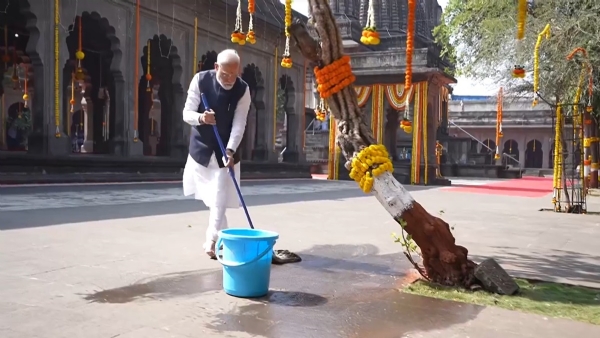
x=495, y=279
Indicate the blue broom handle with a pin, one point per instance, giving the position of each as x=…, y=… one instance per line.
x=230, y=170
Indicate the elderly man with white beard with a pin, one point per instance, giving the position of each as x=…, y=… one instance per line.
x=205, y=175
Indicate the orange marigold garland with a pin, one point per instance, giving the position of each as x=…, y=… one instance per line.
x=238, y=35
x=286, y=62
x=370, y=36
x=321, y=111
x=521, y=18
x=410, y=39
x=251, y=36
x=334, y=77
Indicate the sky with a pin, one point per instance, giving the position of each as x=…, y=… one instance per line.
x=465, y=86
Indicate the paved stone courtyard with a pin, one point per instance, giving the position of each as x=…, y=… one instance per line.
x=125, y=261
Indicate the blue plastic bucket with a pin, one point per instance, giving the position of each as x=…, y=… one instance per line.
x=247, y=255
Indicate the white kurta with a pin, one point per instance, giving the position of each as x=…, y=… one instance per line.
x=213, y=185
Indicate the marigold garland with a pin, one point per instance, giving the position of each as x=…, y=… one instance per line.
x=238, y=35
x=286, y=62
x=406, y=125
x=536, y=61
x=369, y=163
x=521, y=19
x=370, y=36
x=251, y=36
x=334, y=77
x=499, y=133
x=590, y=70
x=410, y=39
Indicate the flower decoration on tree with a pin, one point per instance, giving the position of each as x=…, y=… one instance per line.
x=410, y=40
x=521, y=19
x=536, y=60
x=370, y=36
x=334, y=77
x=518, y=72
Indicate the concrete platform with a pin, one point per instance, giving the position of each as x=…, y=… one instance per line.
x=126, y=261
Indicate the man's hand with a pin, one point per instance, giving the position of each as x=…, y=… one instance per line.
x=229, y=156
x=208, y=117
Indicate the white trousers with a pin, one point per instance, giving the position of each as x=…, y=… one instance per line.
x=217, y=221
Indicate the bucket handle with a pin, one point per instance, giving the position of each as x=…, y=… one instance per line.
x=236, y=265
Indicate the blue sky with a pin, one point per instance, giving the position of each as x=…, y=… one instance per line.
x=464, y=86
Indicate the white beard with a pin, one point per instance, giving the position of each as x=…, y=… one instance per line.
x=224, y=86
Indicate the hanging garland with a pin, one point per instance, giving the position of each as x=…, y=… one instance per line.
x=536, y=61
x=334, y=77
x=72, y=100
x=238, y=35
x=25, y=89
x=370, y=162
x=321, y=111
x=286, y=62
x=521, y=19
x=57, y=41
x=590, y=70
x=148, y=75
x=79, y=55
x=251, y=36
x=410, y=39
x=370, y=36
x=499, y=133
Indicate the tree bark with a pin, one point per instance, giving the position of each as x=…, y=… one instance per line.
x=444, y=261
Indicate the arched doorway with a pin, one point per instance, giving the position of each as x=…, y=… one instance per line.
x=534, y=154
x=511, y=148
x=157, y=97
x=94, y=36
x=253, y=77
x=17, y=50
x=488, y=147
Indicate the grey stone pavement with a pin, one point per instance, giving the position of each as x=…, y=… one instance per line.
x=126, y=261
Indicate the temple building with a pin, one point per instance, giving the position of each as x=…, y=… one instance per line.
x=379, y=71
x=93, y=80
x=528, y=133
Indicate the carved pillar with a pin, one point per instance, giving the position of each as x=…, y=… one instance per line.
x=88, y=125
x=259, y=151
x=292, y=150
x=119, y=132
x=179, y=148
x=433, y=113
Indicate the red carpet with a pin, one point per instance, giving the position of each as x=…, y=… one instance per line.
x=524, y=187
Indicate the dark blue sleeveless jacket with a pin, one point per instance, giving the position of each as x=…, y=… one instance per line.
x=223, y=102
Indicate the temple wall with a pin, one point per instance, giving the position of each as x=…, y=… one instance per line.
x=176, y=22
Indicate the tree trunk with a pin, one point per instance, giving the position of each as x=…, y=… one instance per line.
x=444, y=261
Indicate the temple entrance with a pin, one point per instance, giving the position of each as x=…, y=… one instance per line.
x=489, y=149
x=16, y=121
x=157, y=96
x=253, y=77
x=88, y=86
x=511, y=148
x=534, y=154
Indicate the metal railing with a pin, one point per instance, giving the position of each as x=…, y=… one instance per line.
x=507, y=157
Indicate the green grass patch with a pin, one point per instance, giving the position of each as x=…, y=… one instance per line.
x=543, y=298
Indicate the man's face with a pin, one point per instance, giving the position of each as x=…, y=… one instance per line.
x=227, y=74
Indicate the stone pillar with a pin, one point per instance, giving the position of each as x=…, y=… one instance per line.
x=117, y=142
x=292, y=149
x=433, y=104
x=88, y=125
x=179, y=148
x=42, y=139
x=264, y=119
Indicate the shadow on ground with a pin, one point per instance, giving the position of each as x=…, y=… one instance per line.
x=55, y=216
x=337, y=290
x=558, y=266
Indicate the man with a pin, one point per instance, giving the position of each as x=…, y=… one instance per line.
x=205, y=174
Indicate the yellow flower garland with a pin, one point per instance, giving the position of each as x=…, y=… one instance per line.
x=286, y=61
x=536, y=61
x=370, y=162
x=521, y=18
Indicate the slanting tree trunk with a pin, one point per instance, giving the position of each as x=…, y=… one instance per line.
x=444, y=261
